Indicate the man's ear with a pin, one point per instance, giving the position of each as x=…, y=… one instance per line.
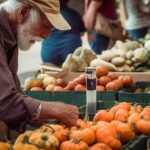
x=23, y=13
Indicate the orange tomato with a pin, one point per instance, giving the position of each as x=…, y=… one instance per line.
x=36, y=89
x=66, y=88
x=104, y=80
x=80, y=87
x=100, y=88
x=61, y=82
x=112, y=75
x=101, y=71
x=72, y=85
x=82, y=79
x=128, y=81
x=50, y=87
x=119, y=84
x=58, y=88
x=111, y=86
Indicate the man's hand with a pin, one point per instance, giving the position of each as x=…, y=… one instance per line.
x=91, y=15
x=67, y=114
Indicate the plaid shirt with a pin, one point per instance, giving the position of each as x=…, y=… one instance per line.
x=15, y=107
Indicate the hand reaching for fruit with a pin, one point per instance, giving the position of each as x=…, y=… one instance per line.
x=67, y=114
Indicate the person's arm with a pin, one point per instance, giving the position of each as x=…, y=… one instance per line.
x=66, y=113
x=91, y=14
x=17, y=107
x=123, y=13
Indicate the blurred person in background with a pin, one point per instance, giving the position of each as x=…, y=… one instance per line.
x=137, y=21
x=61, y=43
x=97, y=41
x=22, y=22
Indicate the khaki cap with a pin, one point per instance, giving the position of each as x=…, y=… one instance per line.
x=51, y=9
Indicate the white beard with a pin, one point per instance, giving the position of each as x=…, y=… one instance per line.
x=25, y=39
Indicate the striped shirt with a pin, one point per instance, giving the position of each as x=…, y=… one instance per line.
x=15, y=107
x=136, y=18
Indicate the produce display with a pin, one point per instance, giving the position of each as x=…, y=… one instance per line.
x=125, y=57
x=80, y=59
x=129, y=56
x=109, y=130
x=146, y=41
x=105, y=81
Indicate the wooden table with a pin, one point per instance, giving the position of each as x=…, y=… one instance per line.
x=68, y=76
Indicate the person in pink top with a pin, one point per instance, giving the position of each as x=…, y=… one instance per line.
x=106, y=8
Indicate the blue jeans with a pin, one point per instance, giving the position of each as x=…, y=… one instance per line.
x=138, y=33
x=100, y=43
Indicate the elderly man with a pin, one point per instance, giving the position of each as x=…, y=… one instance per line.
x=22, y=22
